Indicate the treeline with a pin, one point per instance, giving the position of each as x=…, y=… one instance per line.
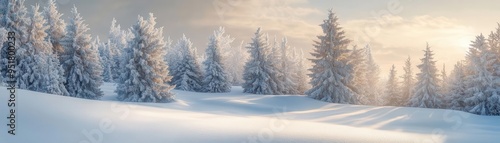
x=59, y=57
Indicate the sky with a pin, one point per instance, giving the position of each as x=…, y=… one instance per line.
x=395, y=29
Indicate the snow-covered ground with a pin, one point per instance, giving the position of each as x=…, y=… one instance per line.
x=233, y=117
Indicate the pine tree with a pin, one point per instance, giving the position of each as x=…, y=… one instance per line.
x=483, y=85
x=274, y=59
x=187, y=73
x=56, y=26
x=260, y=74
x=444, y=81
x=359, y=83
x=14, y=19
x=3, y=38
x=216, y=78
x=408, y=82
x=83, y=70
x=106, y=60
x=147, y=79
x=117, y=44
x=302, y=79
x=33, y=55
x=427, y=93
x=392, y=89
x=372, y=78
x=458, y=87
x=288, y=68
x=237, y=59
x=331, y=73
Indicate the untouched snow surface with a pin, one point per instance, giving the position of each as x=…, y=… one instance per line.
x=233, y=117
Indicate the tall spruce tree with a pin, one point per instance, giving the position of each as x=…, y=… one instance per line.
x=216, y=78
x=56, y=28
x=187, y=73
x=147, y=79
x=14, y=19
x=288, y=67
x=237, y=58
x=331, y=73
x=117, y=45
x=483, y=85
x=83, y=70
x=106, y=59
x=359, y=82
x=427, y=93
x=260, y=75
x=392, y=89
x=408, y=82
x=372, y=77
x=456, y=97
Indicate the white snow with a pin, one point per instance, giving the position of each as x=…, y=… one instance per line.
x=233, y=117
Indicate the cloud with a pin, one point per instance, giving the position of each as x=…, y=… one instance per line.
x=285, y=17
x=393, y=38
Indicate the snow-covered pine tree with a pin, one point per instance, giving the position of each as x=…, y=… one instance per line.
x=33, y=55
x=147, y=79
x=3, y=38
x=331, y=73
x=14, y=19
x=288, y=67
x=372, y=77
x=408, y=82
x=427, y=93
x=483, y=85
x=46, y=61
x=106, y=59
x=260, y=76
x=359, y=83
x=392, y=89
x=444, y=82
x=302, y=79
x=83, y=70
x=237, y=58
x=274, y=60
x=187, y=73
x=117, y=44
x=226, y=50
x=494, y=42
x=56, y=28
x=457, y=95
x=216, y=78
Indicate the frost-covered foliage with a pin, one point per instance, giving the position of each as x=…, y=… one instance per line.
x=303, y=81
x=216, y=78
x=457, y=94
x=235, y=63
x=260, y=75
x=359, y=83
x=186, y=72
x=81, y=60
x=445, y=89
x=56, y=26
x=147, y=77
x=407, y=85
x=372, y=78
x=331, y=73
x=14, y=19
x=392, y=91
x=289, y=69
x=106, y=59
x=427, y=93
x=3, y=38
x=117, y=45
x=483, y=85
